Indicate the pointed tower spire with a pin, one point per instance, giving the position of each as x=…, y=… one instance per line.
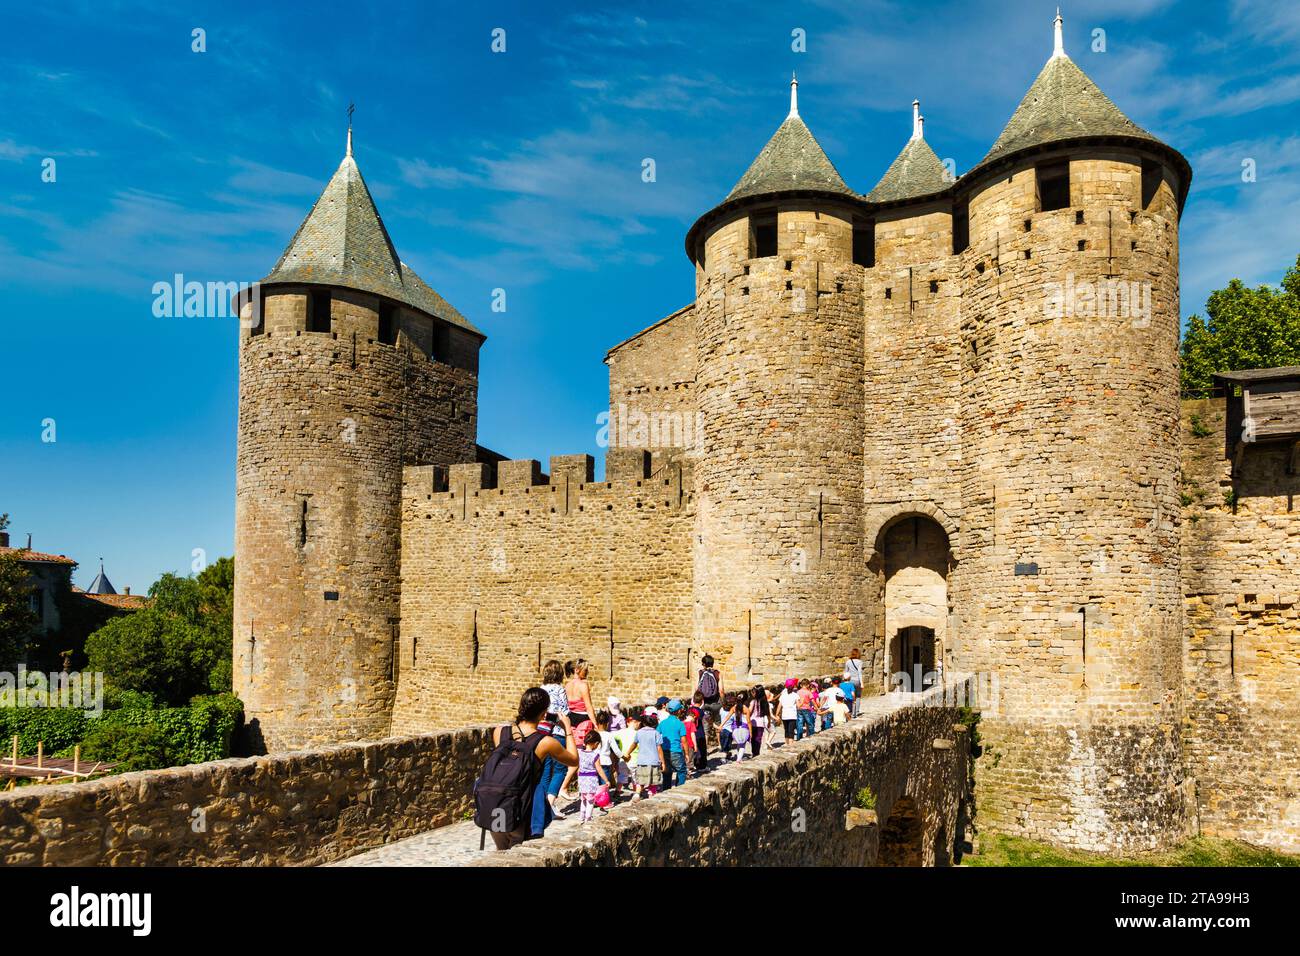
x=1062, y=104
x=792, y=159
x=101, y=584
x=1058, y=42
x=343, y=242
x=916, y=171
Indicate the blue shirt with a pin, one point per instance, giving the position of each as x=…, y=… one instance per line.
x=847, y=688
x=647, y=747
x=672, y=731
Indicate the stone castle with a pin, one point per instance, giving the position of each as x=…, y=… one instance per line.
x=939, y=421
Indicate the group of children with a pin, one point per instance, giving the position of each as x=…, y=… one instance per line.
x=656, y=747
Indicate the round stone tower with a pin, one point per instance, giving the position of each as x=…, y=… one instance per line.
x=353, y=368
x=779, y=564
x=1070, y=592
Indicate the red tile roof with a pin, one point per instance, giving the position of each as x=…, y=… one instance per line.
x=22, y=554
x=130, y=602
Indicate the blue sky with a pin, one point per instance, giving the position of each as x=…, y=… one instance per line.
x=518, y=170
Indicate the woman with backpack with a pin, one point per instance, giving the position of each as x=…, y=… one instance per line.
x=506, y=793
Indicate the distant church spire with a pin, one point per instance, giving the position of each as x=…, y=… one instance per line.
x=917, y=120
x=352, y=107
x=1058, y=48
x=794, y=94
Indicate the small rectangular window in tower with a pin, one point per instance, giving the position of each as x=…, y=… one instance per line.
x=960, y=229
x=1152, y=174
x=318, y=311
x=864, y=243
x=762, y=234
x=302, y=524
x=441, y=343
x=1053, y=186
x=387, y=323
x=934, y=286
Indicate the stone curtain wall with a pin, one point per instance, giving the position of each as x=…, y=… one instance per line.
x=494, y=578
x=1241, y=572
x=326, y=420
x=298, y=808
x=788, y=807
x=1070, y=462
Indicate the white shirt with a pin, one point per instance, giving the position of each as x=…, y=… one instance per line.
x=789, y=704
x=853, y=667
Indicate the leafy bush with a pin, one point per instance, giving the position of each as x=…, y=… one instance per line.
x=116, y=699
x=865, y=798
x=202, y=731
x=178, y=646
x=133, y=735
x=130, y=747
x=58, y=727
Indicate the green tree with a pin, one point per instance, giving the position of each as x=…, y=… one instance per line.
x=178, y=646
x=17, y=620
x=1245, y=328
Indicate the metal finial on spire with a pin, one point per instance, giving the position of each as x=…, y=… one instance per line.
x=794, y=94
x=916, y=119
x=1058, y=48
x=352, y=108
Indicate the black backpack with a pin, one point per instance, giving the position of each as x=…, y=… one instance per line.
x=709, y=686
x=503, y=794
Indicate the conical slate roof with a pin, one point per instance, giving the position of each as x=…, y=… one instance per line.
x=916, y=171
x=1062, y=103
x=792, y=159
x=343, y=242
x=101, y=584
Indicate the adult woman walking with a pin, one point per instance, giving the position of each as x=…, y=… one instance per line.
x=530, y=733
x=578, y=690
x=853, y=671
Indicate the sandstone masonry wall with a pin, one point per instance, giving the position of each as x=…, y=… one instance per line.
x=1241, y=573
x=326, y=420
x=289, y=809
x=496, y=581
x=652, y=386
x=912, y=303
x=779, y=562
x=1070, y=463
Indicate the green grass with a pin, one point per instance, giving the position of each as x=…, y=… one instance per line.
x=996, y=850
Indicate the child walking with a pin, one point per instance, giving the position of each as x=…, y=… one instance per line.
x=590, y=773
x=760, y=711
x=607, y=753
x=650, y=763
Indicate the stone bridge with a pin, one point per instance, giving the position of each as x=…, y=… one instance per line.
x=407, y=800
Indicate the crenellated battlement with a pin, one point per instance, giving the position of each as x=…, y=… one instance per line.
x=521, y=489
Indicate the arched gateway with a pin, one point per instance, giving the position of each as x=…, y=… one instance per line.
x=915, y=559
